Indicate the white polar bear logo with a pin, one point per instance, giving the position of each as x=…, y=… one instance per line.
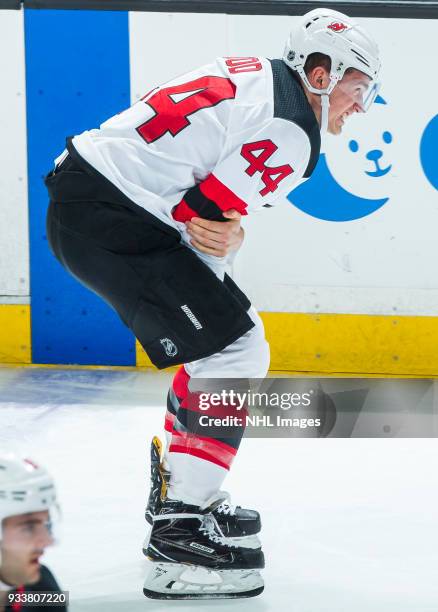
x=362, y=159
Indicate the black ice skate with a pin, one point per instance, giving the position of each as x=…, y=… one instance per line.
x=234, y=522
x=192, y=560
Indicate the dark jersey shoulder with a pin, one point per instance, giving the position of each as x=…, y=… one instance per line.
x=290, y=103
x=47, y=583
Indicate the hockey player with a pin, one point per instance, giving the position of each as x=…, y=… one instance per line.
x=145, y=211
x=27, y=502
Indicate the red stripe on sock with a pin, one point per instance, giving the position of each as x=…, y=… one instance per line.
x=218, y=450
x=196, y=452
x=203, y=440
x=221, y=195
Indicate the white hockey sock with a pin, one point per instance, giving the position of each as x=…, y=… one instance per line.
x=194, y=480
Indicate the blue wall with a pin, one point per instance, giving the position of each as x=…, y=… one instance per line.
x=77, y=75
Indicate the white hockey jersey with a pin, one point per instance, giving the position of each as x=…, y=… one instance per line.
x=238, y=133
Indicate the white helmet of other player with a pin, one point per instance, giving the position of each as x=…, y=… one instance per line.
x=25, y=487
x=346, y=44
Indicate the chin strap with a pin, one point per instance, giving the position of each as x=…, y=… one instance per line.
x=325, y=105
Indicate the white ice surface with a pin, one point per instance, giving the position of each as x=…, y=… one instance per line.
x=349, y=525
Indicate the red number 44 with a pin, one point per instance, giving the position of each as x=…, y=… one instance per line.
x=271, y=176
x=173, y=105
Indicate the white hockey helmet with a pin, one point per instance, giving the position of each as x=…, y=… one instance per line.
x=345, y=42
x=25, y=487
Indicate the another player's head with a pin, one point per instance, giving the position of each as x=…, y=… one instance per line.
x=27, y=504
x=338, y=63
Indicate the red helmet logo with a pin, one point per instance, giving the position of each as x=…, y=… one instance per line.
x=337, y=26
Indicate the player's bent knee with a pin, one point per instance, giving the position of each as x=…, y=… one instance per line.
x=257, y=359
x=253, y=350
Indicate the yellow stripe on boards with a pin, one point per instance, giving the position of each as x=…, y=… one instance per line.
x=15, y=337
x=300, y=343
x=366, y=344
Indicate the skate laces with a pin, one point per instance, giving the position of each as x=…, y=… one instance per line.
x=221, y=503
x=210, y=528
x=225, y=507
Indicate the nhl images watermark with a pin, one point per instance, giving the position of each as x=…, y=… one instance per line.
x=264, y=408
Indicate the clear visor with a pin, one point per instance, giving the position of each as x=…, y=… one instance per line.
x=370, y=95
x=361, y=92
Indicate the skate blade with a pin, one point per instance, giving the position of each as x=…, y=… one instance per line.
x=182, y=581
x=246, y=594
